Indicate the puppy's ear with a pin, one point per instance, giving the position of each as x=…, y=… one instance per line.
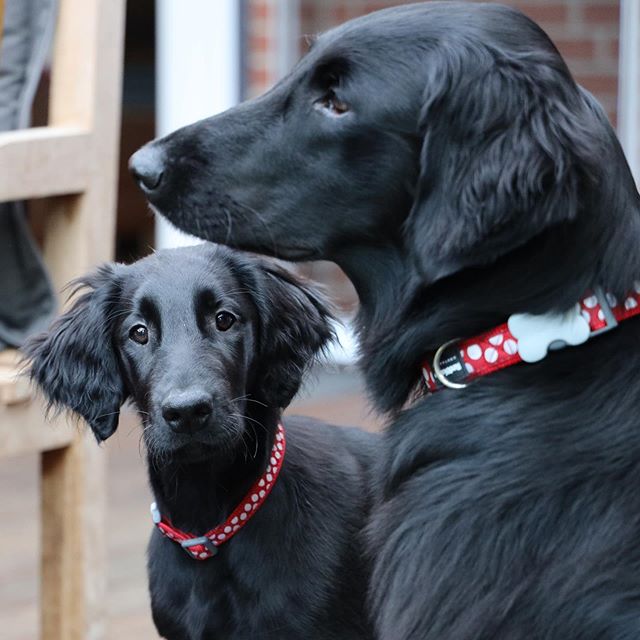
x=295, y=324
x=510, y=148
x=75, y=364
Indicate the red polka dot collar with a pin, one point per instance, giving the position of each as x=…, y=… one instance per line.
x=526, y=338
x=206, y=546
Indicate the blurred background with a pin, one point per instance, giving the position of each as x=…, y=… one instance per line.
x=187, y=59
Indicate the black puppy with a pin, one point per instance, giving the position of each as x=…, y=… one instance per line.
x=210, y=346
x=444, y=157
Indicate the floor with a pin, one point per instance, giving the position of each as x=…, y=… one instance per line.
x=335, y=396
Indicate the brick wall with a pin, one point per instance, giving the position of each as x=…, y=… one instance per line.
x=585, y=32
x=260, y=46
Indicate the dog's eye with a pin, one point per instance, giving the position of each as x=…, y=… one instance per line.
x=139, y=333
x=224, y=320
x=333, y=104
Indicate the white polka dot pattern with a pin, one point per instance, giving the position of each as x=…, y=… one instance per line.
x=240, y=516
x=510, y=347
x=498, y=348
x=491, y=355
x=474, y=352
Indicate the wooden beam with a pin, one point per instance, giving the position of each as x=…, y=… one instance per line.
x=73, y=539
x=49, y=161
x=85, y=93
x=61, y=609
x=23, y=429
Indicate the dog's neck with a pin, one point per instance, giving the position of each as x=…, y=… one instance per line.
x=404, y=317
x=196, y=496
x=384, y=277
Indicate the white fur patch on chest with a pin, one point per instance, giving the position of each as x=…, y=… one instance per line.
x=536, y=334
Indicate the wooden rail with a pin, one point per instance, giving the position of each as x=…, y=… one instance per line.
x=50, y=161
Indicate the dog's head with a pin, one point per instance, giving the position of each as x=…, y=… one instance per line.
x=192, y=336
x=453, y=130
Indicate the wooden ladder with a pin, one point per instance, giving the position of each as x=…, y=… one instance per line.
x=74, y=158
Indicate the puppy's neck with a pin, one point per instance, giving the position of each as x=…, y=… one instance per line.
x=196, y=496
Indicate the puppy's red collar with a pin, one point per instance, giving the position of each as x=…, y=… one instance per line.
x=526, y=338
x=205, y=546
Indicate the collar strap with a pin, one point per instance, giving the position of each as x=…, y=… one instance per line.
x=526, y=338
x=206, y=546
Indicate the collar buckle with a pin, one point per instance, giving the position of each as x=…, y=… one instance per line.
x=451, y=365
x=202, y=540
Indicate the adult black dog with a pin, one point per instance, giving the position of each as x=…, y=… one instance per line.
x=444, y=157
x=210, y=345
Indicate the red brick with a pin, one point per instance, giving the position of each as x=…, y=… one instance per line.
x=599, y=83
x=258, y=10
x=370, y=7
x=340, y=14
x=602, y=14
x=583, y=48
x=260, y=78
x=259, y=44
x=614, y=48
x=307, y=11
x=545, y=13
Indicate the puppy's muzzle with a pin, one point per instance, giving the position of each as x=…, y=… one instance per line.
x=187, y=411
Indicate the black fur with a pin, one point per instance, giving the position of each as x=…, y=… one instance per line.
x=469, y=178
x=297, y=569
x=75, y=362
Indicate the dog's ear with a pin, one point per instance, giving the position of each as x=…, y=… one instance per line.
x=510, y=148
x=295, y=324
x=75, y=364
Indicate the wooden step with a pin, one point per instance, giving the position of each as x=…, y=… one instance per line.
x=23, y=426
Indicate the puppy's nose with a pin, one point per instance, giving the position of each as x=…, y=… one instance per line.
x=187, y=411
x=147, y=168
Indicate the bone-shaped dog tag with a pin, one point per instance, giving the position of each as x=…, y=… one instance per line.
x=537, y=334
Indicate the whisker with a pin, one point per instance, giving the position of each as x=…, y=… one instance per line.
x=257, y=402
x=104, y=415
x=240, y=415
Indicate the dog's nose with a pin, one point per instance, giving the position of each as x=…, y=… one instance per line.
x=147, y=168
x=187, y=411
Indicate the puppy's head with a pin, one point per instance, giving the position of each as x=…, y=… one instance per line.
x=192, y=336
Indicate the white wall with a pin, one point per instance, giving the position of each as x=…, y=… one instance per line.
x=197, y=72
x=629, y=84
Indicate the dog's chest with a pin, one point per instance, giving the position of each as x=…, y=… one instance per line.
x=198, y=600
x=188, y=610
x=213, y=599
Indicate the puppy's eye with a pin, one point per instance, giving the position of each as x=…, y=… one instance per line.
x=224, y=320
x=331, y=103
x=139, y=333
